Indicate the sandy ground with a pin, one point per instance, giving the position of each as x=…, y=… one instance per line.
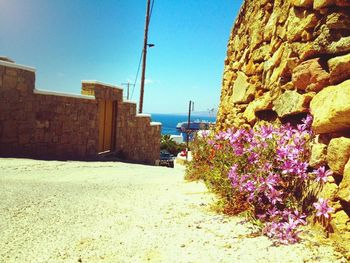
x=115, y=212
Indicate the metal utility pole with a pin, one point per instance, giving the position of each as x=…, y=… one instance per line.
x=190, y=107
x=128, y=90
x=144, y=56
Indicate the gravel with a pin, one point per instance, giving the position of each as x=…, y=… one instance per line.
x=54, y=211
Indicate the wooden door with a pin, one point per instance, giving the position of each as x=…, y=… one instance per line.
x=105, y=126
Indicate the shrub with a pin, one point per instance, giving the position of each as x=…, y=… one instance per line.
x=265, y=171
x=170, y=145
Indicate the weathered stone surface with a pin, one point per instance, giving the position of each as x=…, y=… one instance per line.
x=290, y=103
x=318, y=4
x=338, y=20
x=243, y=92
x=289, y=49
x=341, y=224
x=299, y=20
x=329, y=191
x=342, y=2
x=338, y=154
x=302, y=3
x=259, y=104
x=318, y=155
x=68, y=127
x=331, y=109
x=344, y=192
x=310, y=76
x=339, y=68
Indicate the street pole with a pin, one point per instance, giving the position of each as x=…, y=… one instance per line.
x=128, y=90
x=188, y=127
x=144, y=57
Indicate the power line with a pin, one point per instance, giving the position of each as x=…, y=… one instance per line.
x=138, y=68
x=137, y=74
x=150, y=13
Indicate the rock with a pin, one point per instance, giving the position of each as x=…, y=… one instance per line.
x=344, y=186
x=338, y=154
x=310, y=76
x=341, y=222
x=261, y=54
x=342, y=2
x=339, y=68
x=338, y=20
x=327, y=41
x=290, y=103
x=250, y=68
x=243, y=92
x=319, y=4
x=262, y=103
x=341, y=226
x=331, y=109
x=299, y=20
x=329, y=191
x=318, y=155
x=302, y=3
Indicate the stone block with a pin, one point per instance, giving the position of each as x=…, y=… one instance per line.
x=329, y=191
x=331, y=109
x=2, y=70
x=319, y=4
x=302, y=3
x=341, y=224
x=338, y=20
x=342, y=2
x=338, y=154
x=9, y=82
x=299, y=20
x=318, y=155
x=291, y=103
x=243, y=91
x=11, y=72
x=24, y=139
x=344, y=186
x=310, y=76
x=260, y=104
x=339, y=68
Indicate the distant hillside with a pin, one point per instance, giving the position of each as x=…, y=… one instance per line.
x=208, y=113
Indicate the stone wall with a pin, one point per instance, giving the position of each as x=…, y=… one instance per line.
x=287, y=58
x=137, y=138
x=53, y=125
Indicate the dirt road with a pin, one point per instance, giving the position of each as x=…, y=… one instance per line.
x=115, y=212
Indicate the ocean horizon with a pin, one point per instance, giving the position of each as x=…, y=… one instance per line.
x=169, y=121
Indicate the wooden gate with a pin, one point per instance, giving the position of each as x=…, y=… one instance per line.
x=107, y=125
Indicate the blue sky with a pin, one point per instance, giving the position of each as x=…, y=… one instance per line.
x=72, y=40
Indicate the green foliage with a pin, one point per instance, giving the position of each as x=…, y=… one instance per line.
x=166, y=143
x=212, y=168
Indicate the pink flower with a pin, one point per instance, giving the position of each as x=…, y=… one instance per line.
x=322, y=174
x=266, y=132
x=253, y=158
x=233, y=175
x=322, y=207
x=274, y=196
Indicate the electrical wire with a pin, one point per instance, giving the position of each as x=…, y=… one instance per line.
x=138, y=68
x=137, y=75
x=150, y=14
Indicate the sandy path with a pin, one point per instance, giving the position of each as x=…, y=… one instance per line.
x=116, y=212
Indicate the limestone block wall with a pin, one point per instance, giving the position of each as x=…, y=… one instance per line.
x=51, y=125
x=137, y=131
x=287, y=58
x=43, y=124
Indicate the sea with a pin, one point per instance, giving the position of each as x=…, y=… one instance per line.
x=169, y=121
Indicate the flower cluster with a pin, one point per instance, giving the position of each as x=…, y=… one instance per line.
x=268, y=166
